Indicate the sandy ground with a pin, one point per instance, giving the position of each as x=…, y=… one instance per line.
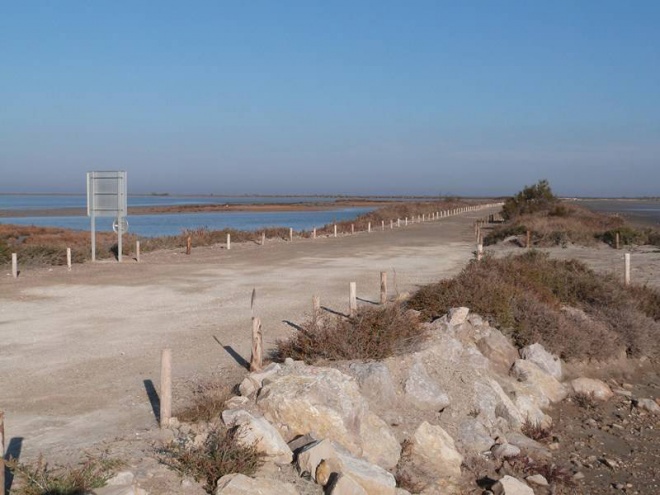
x=80, y=350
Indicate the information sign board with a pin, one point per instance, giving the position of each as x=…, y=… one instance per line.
x=107, y=197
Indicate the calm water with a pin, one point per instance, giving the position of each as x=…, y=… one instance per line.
x=175, y=223
x=643, y=211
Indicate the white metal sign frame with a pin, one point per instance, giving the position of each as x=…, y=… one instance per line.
x=107, y=197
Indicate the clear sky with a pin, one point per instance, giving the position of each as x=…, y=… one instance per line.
x=333, y=96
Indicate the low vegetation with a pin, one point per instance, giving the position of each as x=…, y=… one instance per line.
x=207, y=403
x=564, y=305
x=373, y=333
x=220, y=454
x=39, y=478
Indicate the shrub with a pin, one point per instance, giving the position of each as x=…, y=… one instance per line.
x=222, y=453
x=530, y=200
x=41, y=479
x=208, y=402
x=536, y=431
x=373, y=333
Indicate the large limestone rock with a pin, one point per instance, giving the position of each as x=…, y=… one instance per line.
x=509, y=485
x=531, y=411
x=326, y=403
x=253, y=382
x=492, y=403
x=345, y=485
x=431, y=453
x=541, y=385
x=239, y=484
x=537, y=354
x=497, y=348
x=375, y=381
x=473, y=437
x=259, y=432
x=592, y=387
x=422, y=391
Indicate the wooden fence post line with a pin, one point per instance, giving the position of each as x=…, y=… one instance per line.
x=188, y=244
x=68, y=258
x=383, y=287
x=257, y=345
x=14, y=265
x=528, y=243
x=137, y=251
x=626, y=274
x=165, y=387
x=335, y=230
x=352, y=299
x=290, y=234
x=618, y=239
x=2, y=453
x=316, y=305
x=228, y=242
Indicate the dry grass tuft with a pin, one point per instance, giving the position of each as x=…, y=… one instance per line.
x=208, y=402
x=374, y=333
x=585, y=401
x=536, y=431
x=564, y=305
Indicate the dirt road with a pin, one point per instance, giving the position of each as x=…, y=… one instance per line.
x=79, y=350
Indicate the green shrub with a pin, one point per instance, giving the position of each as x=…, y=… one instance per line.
x=531, y=199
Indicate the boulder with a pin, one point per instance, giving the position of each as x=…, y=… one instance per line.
x=537, y=354
x=375, y=381
x=473, y=437
x=239, y=484
x=120, y=490
x=499, y=351
x=598, y=389
x=260, y=433
x=531, y=411
x=432, y=453
x=422, y=391
x=493, y=403
x=344, y=485
x=543, y=386
x=509, y=485
x=254, y=381
x=647, y=405
x=504, y=450
x=457, y=316
x=528, y=446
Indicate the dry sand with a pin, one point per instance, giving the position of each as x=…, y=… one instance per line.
x=79, y=349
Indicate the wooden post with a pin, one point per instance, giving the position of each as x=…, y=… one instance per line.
x=617, y=241
x=189, y=244
x=391, y=224
x=369, y=227
x=480, y=251
x=316, y=304
x=14, y=265
x=68, y=258
x=382, y=225
x=2, y=453
x=335, y=230
x=257, y=345
x=383, y=287
x=352, y=229
x=165, y=387
x=626, y=274
x=290, y=234
x=528, y=244
x=314, y=233
x=137, y=251
x=263, y=238
x=398, y=222
x=406, y=221
x=352, y=299
x=228, y=242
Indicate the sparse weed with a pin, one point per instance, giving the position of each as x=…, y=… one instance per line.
x=207, y=403
x=536, y=431
x=585, y=401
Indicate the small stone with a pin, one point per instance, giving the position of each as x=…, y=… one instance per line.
x=647, y=405
x=504, y=451
x=610, y=463
x=509, y=485
x=537, y=479
x=457, y=316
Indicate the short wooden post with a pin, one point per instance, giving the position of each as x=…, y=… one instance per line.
x=137, y=251
x=480, y=251
x=165, y=387
x=626, y=273
x=257, y=345
x=382, y=225
x=383, y=287
x=369, y=227
x=14, y=265
x=352, y=299
x=406, y=221
x=335, y=230
x=314, y=233
x=263, y=238
x=391, y=224
x=352, y=229
x=398, y=222
x=189, y=244
x=2, y=453
x=528, y=243
x=316, y=304
x=423, y=217
x=617, y=240
x=290, y=234
x=68, y=258
x=228, y=242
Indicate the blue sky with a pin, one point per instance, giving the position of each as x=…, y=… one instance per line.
x=352, y=97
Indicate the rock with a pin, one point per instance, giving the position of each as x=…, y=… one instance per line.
x=504, y=451
x=527, y=446
x=422, y=391
x=537, y=354
x=493, y=403
x=259, y=432
x=327, y=404
x=537, y=479
x=543, y=386
x=375, y=381
x=499, y=351
x=473, y=437
x=313, y=454
x=239, y=484
x=592, y=387
x=236, y=402
x=247, y=387
x=344, y=485
x=509, y=485
x=121, y=478
x=431, y=451
x=254, y=381
x=647, y=405
x=531, y=411
x=120, y=490
x=457, y=316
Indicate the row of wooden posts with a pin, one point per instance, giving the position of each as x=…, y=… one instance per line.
x=420, y=218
